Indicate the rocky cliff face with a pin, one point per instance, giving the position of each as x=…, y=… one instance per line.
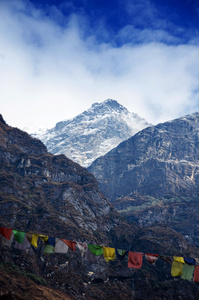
x=35, y=182
x=154, y=175
x=161, y=160
x=92, y=133
x=51, y=194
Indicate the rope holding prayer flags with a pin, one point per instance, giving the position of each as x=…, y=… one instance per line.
x=187, y=268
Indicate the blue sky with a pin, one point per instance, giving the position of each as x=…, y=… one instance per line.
x=107, y=18
x=58, y=57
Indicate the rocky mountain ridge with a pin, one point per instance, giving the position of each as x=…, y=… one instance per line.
x=161, y=160
x=153, y=177
x=92, y=133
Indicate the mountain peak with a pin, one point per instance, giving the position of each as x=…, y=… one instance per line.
x=107, y=101
x=94, y=132
x=111, y=104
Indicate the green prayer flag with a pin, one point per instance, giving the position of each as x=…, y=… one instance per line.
x=49, y=249
x=19, y=236
x=121, y=252
x=97, y=250
x=187, y=272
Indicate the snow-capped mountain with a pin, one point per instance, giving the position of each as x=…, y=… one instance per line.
x=92, y=133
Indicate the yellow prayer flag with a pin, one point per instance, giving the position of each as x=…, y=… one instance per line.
x=176, y=268
x=109, y=253
x=179, y=259
x=34, y=240
x=43, y=237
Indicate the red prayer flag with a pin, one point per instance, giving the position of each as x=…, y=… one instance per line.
x=135, y=260
x=70, y=244
x=196, y=274
x=6, y=232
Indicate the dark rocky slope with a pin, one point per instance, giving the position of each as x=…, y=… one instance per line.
x=52, y=195
x=35, y=183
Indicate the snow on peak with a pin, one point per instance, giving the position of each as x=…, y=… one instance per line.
x=92, y=133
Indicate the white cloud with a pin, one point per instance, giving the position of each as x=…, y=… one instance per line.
x=49, y=73
x=132, y=34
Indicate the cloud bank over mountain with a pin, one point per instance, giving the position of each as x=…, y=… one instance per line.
x=57, y=58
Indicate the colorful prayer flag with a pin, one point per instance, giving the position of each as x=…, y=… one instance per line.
x=190, y=261
x=44, y=238
x=49, y=249
x=95, y=249
x=34, y=240
x=176, y=268
x=70, y=244
x=51, y=241
x=6, y=232
x=135, y=260
x=19, y=236
x=196, y=274
x=60, y=246
x=151, y=258
x=7, y=242
x=121, y=253
x=187, y=272
x=109, y=253
x=179, y=259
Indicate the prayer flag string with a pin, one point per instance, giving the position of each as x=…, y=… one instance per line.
x=187, y=268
